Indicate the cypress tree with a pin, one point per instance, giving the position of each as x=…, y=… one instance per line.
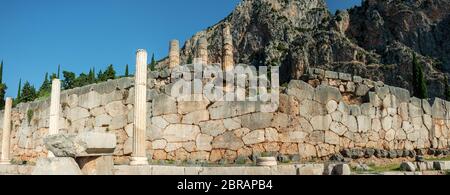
x=45, y=88
x=1, y=72
x=126, y=71
x=19, y=90
x=59, y=70
x=419, y=83
x=3, y=88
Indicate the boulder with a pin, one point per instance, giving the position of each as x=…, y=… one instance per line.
x=408, y=166
x=81, y=145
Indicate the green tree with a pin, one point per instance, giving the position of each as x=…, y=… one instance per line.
x=419, y=82
x=3, y=88
x=153, y=63
x=45, y=88
x=69, y=80
x=91, y=76
x=28, y=93
x=19, y=89
x=127, y=74
x=59, y=70
x=81, y=80
x=109, y=73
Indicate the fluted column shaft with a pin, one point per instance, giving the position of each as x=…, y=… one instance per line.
x=227, y=61
x=203, y=50
x=5, y=158
x=55, y=105
x=174, y=54
x=139, y=156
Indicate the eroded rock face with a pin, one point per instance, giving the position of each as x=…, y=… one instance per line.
x=80, y=145
x=57, y=166
x=374, y=40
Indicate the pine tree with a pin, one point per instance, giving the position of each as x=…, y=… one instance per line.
x=127, y=74
x=419, y=83
x=109, y=73
x=69, y=80
x=45, y=88
x=91, y=76
x=28, y=93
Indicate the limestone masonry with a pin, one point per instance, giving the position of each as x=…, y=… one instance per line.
x=324, y=114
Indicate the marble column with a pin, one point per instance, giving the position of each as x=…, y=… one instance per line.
x=203, y=50
x=174, y=54
x=5, y=158
x=139, y=156
x=55, y=105
x=227, y=56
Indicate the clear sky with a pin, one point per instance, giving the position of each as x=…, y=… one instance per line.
x=36, y=36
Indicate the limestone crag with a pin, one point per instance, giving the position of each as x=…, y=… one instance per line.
x=375, y=40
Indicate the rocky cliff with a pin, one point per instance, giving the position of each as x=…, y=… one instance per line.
x=375, y=40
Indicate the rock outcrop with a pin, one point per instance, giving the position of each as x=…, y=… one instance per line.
x=375, y=40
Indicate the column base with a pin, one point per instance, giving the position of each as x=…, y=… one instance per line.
x=138, y=161
x=5, y=162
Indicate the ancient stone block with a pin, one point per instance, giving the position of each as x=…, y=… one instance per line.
x=164, y=104
x=203, y=142
x=213, y=128
x=82, y=144
x=258, y=120
x=181, y=133
x=321, y=122
x=254, y=137
x=323, y=94
x=116, y=108
x=228, y=140
x=300, y=90
x=56, y=166
x=196, y=117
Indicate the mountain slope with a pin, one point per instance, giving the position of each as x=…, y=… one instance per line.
x=375, y=40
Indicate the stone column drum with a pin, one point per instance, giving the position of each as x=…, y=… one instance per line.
x=203, y=50
x=174, y=54
x=227, y=56
x=5, y=158
x=139, y=156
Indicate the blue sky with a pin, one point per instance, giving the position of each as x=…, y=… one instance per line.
x=36, y=36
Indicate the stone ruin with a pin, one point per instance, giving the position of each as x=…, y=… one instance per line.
x=324, y=115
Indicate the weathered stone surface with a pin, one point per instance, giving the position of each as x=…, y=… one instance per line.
x=364, y=123
x=181, y=133
x=256, y=121
x=254, y=137
x=185, y=107
x=321, y=122
x=232, y=123
x=77, y=114
x=362, y=90
x=118, y=122
x=203, y=142
x=56, y=166
x=293, y=136
x=402, y=95
x=311, y=169
x=116, y=109
x=332, y=106
x=97, y=165
x=159, y=144
x=89, y=100
x=438, y=109
x=331, y=138
x=338, y=128
x=341, y=169
x=300, y=90
x=196, y=117
x=221, y=110
x=271, y=135
x=309, y=108
x=79, y=145
x=323, y=94
x=227, y=141
x=212, y=128
x=164, y=104
x=408, y=166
